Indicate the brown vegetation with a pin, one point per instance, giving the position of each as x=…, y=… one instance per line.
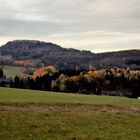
x=44, y=107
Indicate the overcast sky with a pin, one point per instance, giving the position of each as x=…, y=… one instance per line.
x=96, y=25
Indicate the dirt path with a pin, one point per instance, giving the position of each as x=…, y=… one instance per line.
x=44, y=107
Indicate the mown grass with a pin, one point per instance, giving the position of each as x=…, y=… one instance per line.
x=20, y=95
x=12, y=71
x=68, y=126
x=36, y=124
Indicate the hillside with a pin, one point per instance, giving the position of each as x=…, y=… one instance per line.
x=28, y=114
x=50, y=53
x=34, y=96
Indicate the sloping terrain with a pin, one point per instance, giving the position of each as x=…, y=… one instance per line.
x=40, y=115
x=33, y=96
x=50, y=53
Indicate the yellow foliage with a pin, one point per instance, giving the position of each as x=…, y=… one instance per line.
x=62, y=87
x=50, y=68
x=62, y=77
x=95, y=74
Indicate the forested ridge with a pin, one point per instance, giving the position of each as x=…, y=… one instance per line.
x=51, y=54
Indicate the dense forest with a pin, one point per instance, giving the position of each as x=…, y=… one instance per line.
x=114, y=81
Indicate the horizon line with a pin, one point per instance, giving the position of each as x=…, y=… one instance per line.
x=100, y=52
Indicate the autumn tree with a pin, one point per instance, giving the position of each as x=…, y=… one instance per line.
x=50, y=70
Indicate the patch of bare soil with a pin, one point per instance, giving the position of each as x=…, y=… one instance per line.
x=44, y=107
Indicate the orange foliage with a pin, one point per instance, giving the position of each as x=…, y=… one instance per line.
x=95, y=74
x=43, y=71
x=23, y=63
x=74, y=78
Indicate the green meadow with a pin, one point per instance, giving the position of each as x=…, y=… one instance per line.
x=12, y=71
x=42, y=115
x=20, y=95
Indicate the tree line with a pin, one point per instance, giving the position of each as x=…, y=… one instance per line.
x=114, y=81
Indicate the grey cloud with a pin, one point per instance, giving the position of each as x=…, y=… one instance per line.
x=96, y=20
x=83, y=15
x=17, y=27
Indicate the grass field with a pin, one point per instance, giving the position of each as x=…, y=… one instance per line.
x=68, y=126
x=38, y=115
x=12, y=71
x=20, y=95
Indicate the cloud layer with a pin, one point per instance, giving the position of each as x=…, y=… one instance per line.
x=94, y=25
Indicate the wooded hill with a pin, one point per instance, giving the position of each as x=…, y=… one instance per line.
x=49, y=53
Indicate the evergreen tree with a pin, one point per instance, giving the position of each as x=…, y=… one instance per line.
x=1, y=73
